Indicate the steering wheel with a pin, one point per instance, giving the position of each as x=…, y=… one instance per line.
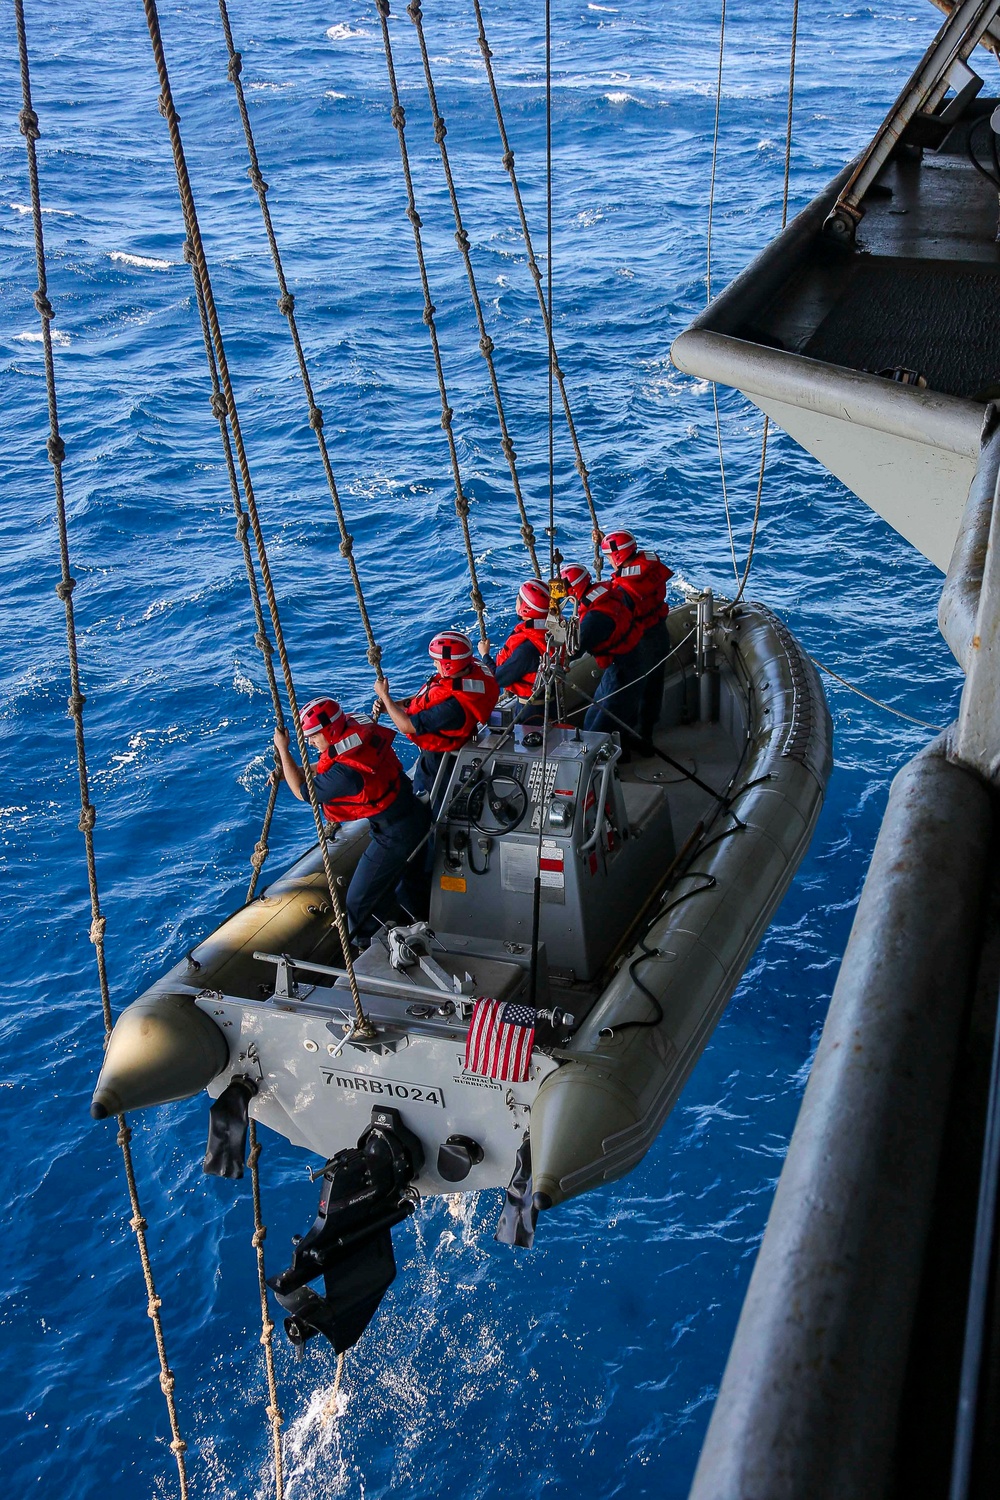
x=506, y=799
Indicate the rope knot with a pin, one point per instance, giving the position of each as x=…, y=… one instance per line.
x=235, y=67
x=486, y=347
x=220, y=407
x=440, y=129
x=375, y=658
x=477, y=599
x=88, y=817
x=56, y=449
x=167, y=1381
x=124, y=1136
x=485, y=48
x=65, y=587
x=507, y=447
x=178, y=1446
x=382, y=6
x=98, y=927
x=259, y=1236
x=187, y=252
x=74, y=704
x=414, y=218
x=262, y=643
x=508, y=156
x=316, y=418
x=43, y=304
x=398, y=116
x=286, y=303
x=536, y=274
x=462, y=239
x=414, y=12
x=347, y=546
x=259, y=855
x=253, y=1157
x=274, y=1412
x=28, y=121
x=242, y=525
x=447, y=412
x=584, y=473
x=137, y=1222
x=166, y=107
x=256, y=180
x=461, y=507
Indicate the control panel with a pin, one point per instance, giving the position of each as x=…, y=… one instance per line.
x=515, y=810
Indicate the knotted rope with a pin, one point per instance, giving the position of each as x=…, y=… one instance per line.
x=486, y=345
x=230, y=414
x=88, y=814
x=398, y=117
x=266, y=1323
x=536, y=276
x=286, y=306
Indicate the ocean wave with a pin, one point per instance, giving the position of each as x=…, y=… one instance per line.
x=344, y=33
x=333, y=94
x=25, y=208
x=31, y=336
x=620, y=97
x=150, y=262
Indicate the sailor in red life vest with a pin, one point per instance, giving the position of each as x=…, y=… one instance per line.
x=520, y=655
x=359, y=776
x=449, y=708
x=644, y=578
x=609, y=632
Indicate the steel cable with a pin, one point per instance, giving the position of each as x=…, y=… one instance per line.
x=286, y=306
x=536, y=276
x=200, y=270
x=398, y=117
x=486, y=345
x=56, y=450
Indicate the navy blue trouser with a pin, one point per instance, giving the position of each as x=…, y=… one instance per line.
x=655, y=646
x=621, y=690
x=384, y=881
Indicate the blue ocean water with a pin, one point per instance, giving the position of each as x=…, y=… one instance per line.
x=589, y=1365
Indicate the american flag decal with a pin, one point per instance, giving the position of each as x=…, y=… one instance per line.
x=501, y=1036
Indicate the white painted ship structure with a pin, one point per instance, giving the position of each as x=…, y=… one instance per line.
x=866, y=1364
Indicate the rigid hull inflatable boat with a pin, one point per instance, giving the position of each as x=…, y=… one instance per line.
x=658, y=878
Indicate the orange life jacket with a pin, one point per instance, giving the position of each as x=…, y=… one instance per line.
x=626, y=634
x=366, y=748
x=475, y=692
x=644, y=578
x=534, y=632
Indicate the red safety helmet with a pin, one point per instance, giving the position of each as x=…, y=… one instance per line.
x=576, y=578
x=451, y=652
x=323, y=716
x=619, y=546
x=533, y=599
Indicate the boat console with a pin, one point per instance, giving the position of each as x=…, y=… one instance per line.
x=510, y=798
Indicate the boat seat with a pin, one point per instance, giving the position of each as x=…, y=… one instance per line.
x=643, y=802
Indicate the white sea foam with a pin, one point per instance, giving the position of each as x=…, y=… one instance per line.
x=149, y=261
x=620, y=97
x=25, y=208
x=269, y=88
x=344, y=33
x=32, y=337
x=611, y=10
x=332, y=94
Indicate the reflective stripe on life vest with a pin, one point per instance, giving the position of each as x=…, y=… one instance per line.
x=532, y=631
x=368, y=750
x=475, y=692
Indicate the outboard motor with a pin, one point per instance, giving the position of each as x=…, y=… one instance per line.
x=366, y=1190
